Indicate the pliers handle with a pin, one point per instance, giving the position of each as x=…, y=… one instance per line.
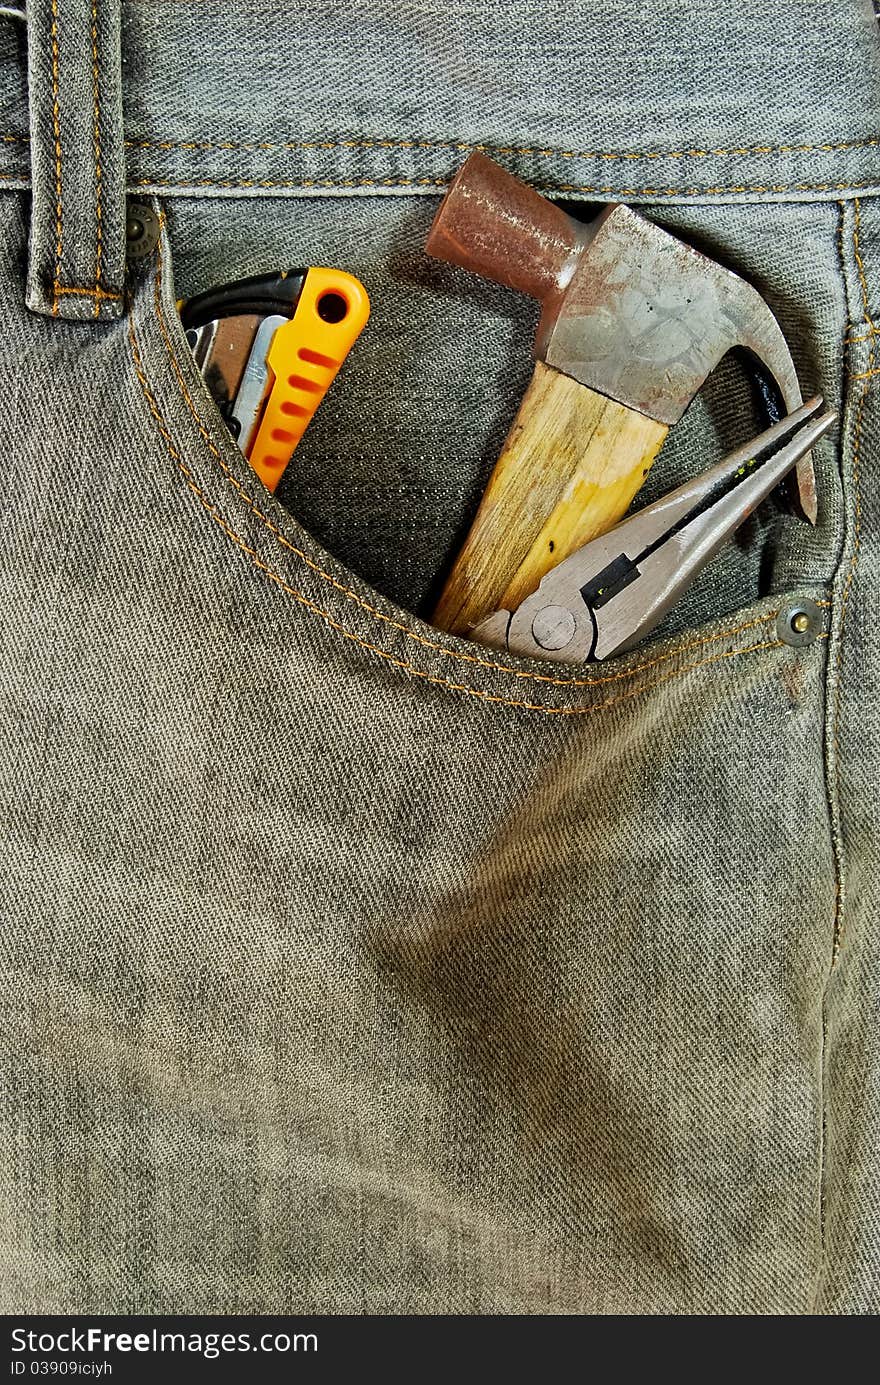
x=609, y=594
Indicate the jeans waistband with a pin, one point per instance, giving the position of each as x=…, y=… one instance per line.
x=677, y=100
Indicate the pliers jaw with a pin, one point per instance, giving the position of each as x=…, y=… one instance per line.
x=611, y=593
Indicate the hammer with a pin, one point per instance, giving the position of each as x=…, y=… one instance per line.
x=632, y=322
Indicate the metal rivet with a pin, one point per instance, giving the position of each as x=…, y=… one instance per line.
x=141, y=231
x=800, y=622
x=554, y=627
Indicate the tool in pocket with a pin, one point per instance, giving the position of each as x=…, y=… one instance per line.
x=632, y=322
x=269, y=348
x=614, y=590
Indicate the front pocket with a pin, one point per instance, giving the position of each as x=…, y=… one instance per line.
x=324, y=589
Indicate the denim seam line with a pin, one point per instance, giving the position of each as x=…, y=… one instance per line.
x=22, y=178
x=92, y=291
x=59, y=186
x=854, y=332
x=587, y=188
x=96, y=140
x=868, y=327
x=346, y=142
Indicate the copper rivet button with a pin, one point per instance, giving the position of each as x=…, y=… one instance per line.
x=800, y=622
x=141, y=231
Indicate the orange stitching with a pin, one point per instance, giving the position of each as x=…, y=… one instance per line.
x=306, y=183
x=96, y=135
x=857, y=222
x=853, y=341
x=562, y=187
x=854, y=559
x=95, y=292
x=56, y=127
x=462, y=145
x=609, y=191
x=375, y=649
x=481, y=662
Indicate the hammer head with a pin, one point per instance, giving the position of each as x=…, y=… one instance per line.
x=627, y=309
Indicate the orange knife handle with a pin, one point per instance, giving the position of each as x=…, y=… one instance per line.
x=304, y=358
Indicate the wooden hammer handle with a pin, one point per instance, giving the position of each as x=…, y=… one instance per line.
x=572, y=463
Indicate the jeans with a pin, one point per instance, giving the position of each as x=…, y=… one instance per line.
x=348, y=966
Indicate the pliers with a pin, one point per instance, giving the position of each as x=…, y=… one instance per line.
x=608, y=595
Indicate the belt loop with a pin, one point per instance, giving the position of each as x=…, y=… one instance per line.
x=77, y=242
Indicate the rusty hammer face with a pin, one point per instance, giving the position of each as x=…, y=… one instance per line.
x=628, y=310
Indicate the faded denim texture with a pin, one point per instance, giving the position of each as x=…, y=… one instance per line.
x=349, y=967
x=77, y=243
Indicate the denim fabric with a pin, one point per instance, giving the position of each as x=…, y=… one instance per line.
x=77, y=236
x=347, y=966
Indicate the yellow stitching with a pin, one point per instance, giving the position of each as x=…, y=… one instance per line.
x=96, y=134
x=462, y=145
x=406, y=630
x=56, y=127
x=856, y=549
x=95, y=292
x=307, y=183
x=854, y=341
x=837, y=840
x=375, y=649
x=857, y=222
x=330, y=184
x=562, y=187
